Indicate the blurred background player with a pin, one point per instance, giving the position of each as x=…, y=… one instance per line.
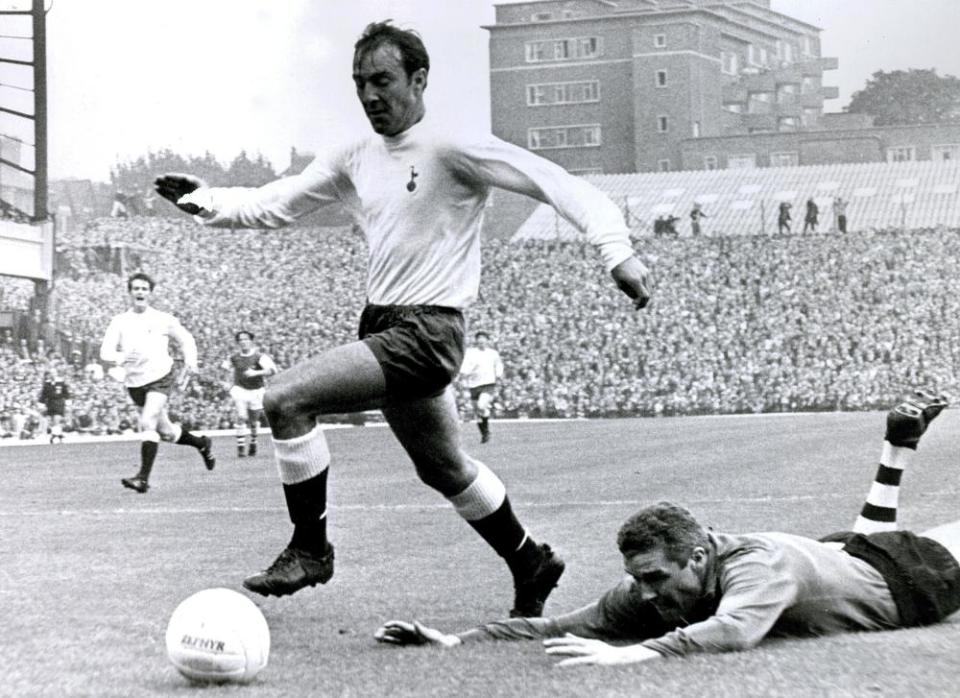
x=250, y=368
x=138, y=341
x=54, y=395
x=480, y=371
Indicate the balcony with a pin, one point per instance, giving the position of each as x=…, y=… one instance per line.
x=760, y=122
x=759, y=82
x=816, y=66
x=734, y=93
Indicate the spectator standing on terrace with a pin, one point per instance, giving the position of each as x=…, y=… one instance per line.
x=811, y=218
x=840, y=213
x=784, y=218
x=418, y=191
x=689, y=589
x=138, y=342
x=249, y=367
x=482, y=368
x=695, y=215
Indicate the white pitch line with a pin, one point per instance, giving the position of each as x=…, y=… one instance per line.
x=121, y=511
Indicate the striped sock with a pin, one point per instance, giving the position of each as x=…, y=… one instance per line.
x=879, y=511
x=241, y=434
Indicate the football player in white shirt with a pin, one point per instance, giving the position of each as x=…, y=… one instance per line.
x=481, y=369
x=138, y=342
x=418, y=191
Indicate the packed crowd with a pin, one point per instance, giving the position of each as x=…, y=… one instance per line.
x=737, y=324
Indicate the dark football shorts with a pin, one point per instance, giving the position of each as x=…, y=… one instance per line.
x=922, y=575
x=475, y=393
x=419, y=347
x=161, y=385
x=56, y=409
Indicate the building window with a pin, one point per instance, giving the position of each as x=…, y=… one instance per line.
x=787, y=123
x=577, y=136
x=733, y=108
x=729, y=62
x=696, y=129
x=580, y=48
x=788, y=52
x=807, y=46
x=742, y=162
x=542, y=16
x=662, y=125
x=710, y=162
x=945, y=152
x=563, y=93
x=660, y=40
x=810, y=117
x=663, y=165
x=759, y=102
x=661, y=78
x=791, y=159
x=901, y=153
x=756, y=55
x=785, y=92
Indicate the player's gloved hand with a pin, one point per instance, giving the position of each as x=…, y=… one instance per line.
x=174, y=185
x=633, y=278
x=398, y=632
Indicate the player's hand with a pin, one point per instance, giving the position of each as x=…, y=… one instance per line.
x=186, y=375
x=581, y=650
x=173, y=185
x=633, y=278
x=251, y=372
x=398, y=632
x=132, y=358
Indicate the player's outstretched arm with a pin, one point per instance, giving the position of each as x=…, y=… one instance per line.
x=633, y=278
x=581, y=650
x=174, y=185
x=398, y=632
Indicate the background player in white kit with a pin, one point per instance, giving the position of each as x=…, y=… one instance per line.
x=481, y=369
x=138, y=341
x=418, y=191
x=249, y=368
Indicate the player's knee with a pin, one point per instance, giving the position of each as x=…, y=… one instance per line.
x=447, y=473
x=280, y=404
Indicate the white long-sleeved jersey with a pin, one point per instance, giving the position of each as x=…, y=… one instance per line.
x=481, y=367
x=140, y=342
x=419, y=198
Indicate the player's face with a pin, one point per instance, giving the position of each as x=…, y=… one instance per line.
x=672, y=589
x=392, y=100
x=140, y=293
x=482, y=342
x=246, y=344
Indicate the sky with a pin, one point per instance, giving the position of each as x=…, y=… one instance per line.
x=129, y=76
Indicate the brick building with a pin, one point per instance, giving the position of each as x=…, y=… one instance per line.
x=645, y=85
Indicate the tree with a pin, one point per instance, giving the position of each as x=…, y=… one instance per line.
x=914, y=96
x=135, y=177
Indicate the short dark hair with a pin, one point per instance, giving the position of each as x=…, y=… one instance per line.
x=413, y=53
x=480, y=334
x=140, y=276
x=240, y=333
x=662, y=525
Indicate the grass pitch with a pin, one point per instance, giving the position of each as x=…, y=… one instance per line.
x=90, y=572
